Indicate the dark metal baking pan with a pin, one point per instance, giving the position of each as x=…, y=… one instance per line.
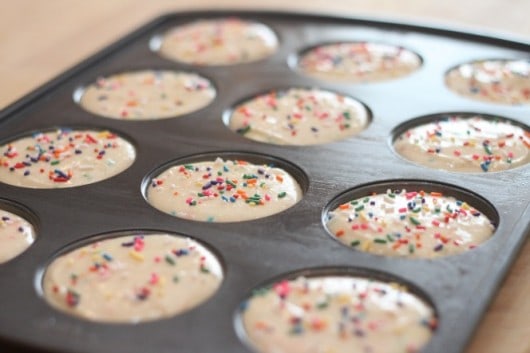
x=254, y=252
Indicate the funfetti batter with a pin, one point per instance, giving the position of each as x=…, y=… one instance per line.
x=338, y=314
x=227, y=41
x=466, y=144
x=299, y=116
x=16, y=235
x=412, y=224
x=64, y=158
x=358, y=62
x=132, y=279
x=492, y=81
x=147, y=95
x=223, y=191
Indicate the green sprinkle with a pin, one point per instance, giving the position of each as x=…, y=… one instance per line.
x=282, y=194
x=414, y=221
x=417, y=210
x=360, y=208
x=204, y=269
x=390, y=238
x=322, y=305
x=366, y=199
x=243, y=130
x=200, y=194
x=250, y=176
x=487, y=148
x=411, y=248
x=170, y=261
x=392, y=195
x=231, y=183
x=189, y=166
x=380, y=240
x=355, y=243
x=55, y=162
x=354, y=202
x=347, y=115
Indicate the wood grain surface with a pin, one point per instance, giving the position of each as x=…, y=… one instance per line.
x=40, y=39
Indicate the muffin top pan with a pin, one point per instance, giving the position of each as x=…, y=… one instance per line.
x=271, y=248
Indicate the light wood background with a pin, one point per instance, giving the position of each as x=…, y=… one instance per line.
x=41, y=38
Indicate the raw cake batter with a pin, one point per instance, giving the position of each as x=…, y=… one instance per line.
x=412, y=224
x=299, y=116
x=493, y=81
x=336, y=315
x=223, y=191
x=227, y=41
x=132, y=278
x=64, y=158
x=467, y=144
x=147, y=95
x=16, y=235
x=358, y=62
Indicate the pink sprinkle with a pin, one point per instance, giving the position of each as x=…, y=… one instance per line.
x=282, y=288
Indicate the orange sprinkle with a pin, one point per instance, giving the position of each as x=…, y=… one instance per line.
x=436, y=194
x=344, y=206
x=339, y=233
x=279, y=178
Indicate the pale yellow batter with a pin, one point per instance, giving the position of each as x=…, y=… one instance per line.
x=133, y=278
x=16, y=235
x=299, y=116
x=336, y=314
x=64, y=158
x=226, y=41
x=147, y=95
x=358, y=62
x=412, y=224
x=466, y=144
x=493, y=81
x=223, y=191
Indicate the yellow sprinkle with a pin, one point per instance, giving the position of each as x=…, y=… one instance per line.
x=103, y=134
x=344, y=299
x=136, y=255
x=465, y=206
x=362, y=216
x=365, y=246
x=399, y=287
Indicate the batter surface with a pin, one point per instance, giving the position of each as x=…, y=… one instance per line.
x=147, y=95
x=227, y=41
x=223, y=191
x=358, y=62
x=299, y=116
x=493, y=81
x=16, y=235
x=336, y=314
x=133, y=278
x=64, y=158
x=467, y=144
x=412, y=224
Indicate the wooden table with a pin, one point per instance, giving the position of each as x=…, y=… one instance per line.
x=40, y=39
